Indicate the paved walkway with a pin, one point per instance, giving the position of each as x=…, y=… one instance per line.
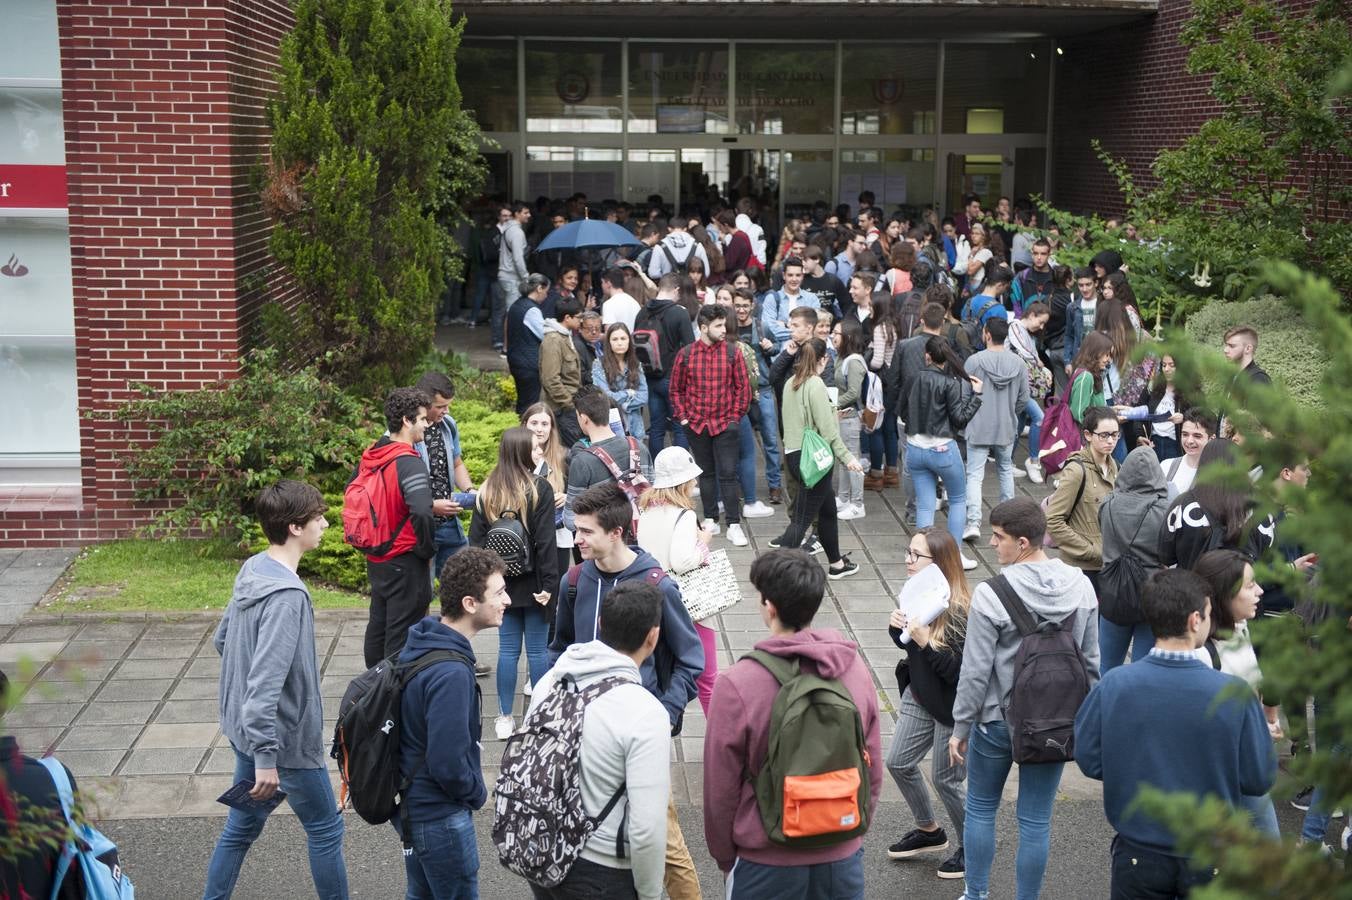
x=129, y=703
x=25, y=575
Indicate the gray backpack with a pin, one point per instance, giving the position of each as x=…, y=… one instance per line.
x=539, y=823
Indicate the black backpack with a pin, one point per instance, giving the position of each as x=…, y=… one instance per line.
x=652, y=345
x=1120, y=582
x=1051, y=680
x=490, y=246
x=366, y=735
x=682, y=267
x=508, y=538
x=972, y=326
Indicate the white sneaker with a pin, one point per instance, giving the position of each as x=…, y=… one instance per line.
x=1020, y=473
x=503, y=726
x=711, y=526
x=1034, y=471
x=851, y=511
x=757, y=510
x=858, y=510
x=967, y=564
x=971, y=533
x=736, y=536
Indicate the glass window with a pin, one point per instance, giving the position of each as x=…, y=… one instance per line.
x=807, y=180
x=38, y=400
x=651, y=172
x=573, y=86
x=28, y=41
x=558, y=172
x=898, y=179
x=678, y=89
x=981, y=80
x=888, y=88
x=786, y=88
x=486, y=71
x=31, y=129
x=1030, y=172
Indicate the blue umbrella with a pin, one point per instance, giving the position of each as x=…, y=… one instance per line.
x=586, y=233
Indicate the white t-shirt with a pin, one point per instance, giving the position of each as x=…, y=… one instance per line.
x=620, y=308
x=1180, y=475
x=1237, y=656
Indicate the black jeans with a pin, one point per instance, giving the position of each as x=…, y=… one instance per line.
x=816, y=502
x=1141, y=874
x=717, y=455
x=401, y=591
x=527, y=387
x=570, y=432
x=590, y=881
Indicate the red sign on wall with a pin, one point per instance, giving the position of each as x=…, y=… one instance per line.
x=32, y=187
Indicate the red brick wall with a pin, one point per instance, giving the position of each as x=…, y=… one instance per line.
x=162, y=104
x=1129, y=88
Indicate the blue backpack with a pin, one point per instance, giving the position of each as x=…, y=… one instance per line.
x=88, y=848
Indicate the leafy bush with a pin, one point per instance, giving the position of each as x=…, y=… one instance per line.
x=333, y=561
x=495, y=390
x=480, y=433
x=217, y=447
x=1289, y=347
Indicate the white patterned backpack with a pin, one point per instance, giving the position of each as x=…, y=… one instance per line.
x=539, y=822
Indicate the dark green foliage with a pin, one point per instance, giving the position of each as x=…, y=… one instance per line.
x=1288, y=347
x=219, y=446
x=1301, y=656
x=371, y=153
x=480, y=433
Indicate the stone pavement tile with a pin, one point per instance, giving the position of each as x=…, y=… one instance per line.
x=692, y=749
x=220, y=760
x=349, y=644
x=177, y=650
x=352, y=666
x=100, y=737
x=112, y=630
x=53, y=632
x=196, y=689
x=163, y=762
x=31, y=714
x=150, y=668
x=99, y=795
x=177, y=736
x=147, y=796
x=37, y=652
x=200, y=798
x=135, y=689
x=205, y=667
x=17, y=576
x=178, y=711
x=91, y=763
x=193, y=630
x=331, y=687
x=44, y=690
x=113, y=648
x=36, y=739
x=70, y=670
x=8, y=555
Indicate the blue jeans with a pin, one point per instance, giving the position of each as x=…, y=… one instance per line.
x=881, y=444
x=989, y=758
x=1032, y=416
x=1263, y=814
x=840, y=880
x=450, y=539
x=517, y=622
x=1113, y=640
x=444, y=864
x=927, y=467
x=976, y=475
x=311, y=797
x=769, y=433
x=746, y=458
x=659, y=418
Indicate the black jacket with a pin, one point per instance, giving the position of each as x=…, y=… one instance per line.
x=939, y=404
x=30, y=788
x=908, y=358
x=1188, y=532
x=931, y=674
x=539, y=523
x=673, y=327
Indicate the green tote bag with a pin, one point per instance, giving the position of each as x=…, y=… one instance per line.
x=815, y=458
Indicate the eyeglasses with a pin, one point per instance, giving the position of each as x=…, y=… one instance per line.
x=1106, y=435
x=912, y=556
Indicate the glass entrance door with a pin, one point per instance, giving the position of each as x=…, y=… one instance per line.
x=982, y=174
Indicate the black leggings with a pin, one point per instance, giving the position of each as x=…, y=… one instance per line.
x=816, y=502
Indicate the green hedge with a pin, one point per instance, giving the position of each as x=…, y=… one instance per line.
x=334, y=562
x=1288, y=347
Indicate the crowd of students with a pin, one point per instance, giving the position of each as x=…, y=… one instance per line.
x=842, y=378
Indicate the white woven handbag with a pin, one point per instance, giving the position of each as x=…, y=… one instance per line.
x=711, y=588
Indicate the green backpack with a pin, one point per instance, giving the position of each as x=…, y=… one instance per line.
x=813, y=789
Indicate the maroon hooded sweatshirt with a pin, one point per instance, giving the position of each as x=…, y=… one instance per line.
x=737, y=738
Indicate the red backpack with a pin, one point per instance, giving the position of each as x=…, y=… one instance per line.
x=1060, y=437
x=631, y=480
x=374, y=511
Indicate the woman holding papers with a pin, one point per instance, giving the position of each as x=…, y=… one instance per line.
x=928, y=681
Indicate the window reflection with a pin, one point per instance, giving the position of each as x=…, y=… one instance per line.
x=786, y=89
x=573, y=86
x=675, y=89
x=888, y=88
x=1007, y=78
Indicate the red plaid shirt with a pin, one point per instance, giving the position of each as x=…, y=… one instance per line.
x=708, y=386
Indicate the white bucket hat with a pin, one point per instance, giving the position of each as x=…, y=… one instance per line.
x=673, y=467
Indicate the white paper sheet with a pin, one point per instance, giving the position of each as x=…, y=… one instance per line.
x=923, y=598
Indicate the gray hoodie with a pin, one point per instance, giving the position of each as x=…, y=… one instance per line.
x=1004, y=394
x=512, y=257
x=1133, y=514
x=626, y=740
x=269, y=694
x=1051, y=590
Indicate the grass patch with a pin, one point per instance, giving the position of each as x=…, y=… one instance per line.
x=164, y=576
